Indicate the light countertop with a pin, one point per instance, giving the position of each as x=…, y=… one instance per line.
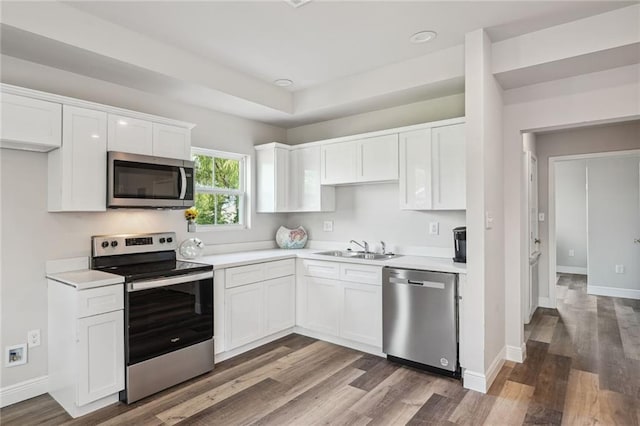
x=86, y=278
x=229, y=260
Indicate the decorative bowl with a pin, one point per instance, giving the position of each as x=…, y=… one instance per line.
x=291, y=238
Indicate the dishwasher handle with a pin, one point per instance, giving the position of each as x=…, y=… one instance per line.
x=429, y=284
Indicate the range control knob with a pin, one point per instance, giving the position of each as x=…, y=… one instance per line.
x=169, y=240
x=114, y=243
x=161, y=240
x=105, y=244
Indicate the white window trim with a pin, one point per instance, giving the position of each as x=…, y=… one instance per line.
x=243, y=192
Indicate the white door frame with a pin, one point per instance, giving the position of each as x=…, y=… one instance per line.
x=552, y=209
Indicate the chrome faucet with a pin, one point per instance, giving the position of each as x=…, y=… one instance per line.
x=365, y=246
x=384, y=247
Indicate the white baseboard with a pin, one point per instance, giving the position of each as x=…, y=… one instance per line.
x=571, y=270
x=23, y=390
x=544, y=302
x=517, y=354
x=362, y=347
x=242, y=349
x=482, y=382
x=626, y=293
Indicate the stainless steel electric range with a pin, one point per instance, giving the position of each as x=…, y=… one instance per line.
x=168, y=310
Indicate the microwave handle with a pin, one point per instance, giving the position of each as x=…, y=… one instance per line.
x=183, y=183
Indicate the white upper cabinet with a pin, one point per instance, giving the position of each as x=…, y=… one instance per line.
x=77, y=171
x=130, y=135
x=288, y=180
x=358, y=161
x=30, y=124
x=306, y=192
x=378, y=158
x=339, y=163
x=171, y=141
x=449, y=167
x=432, y=168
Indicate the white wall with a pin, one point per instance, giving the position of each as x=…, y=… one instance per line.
x=571, y=216
x=31, y=236
x=614, y=222
x=598, y=97
x=405, y=115
x=371, y=212
x=485, y=247
x=582, y=140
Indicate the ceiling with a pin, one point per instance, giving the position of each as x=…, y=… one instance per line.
x=324, y=41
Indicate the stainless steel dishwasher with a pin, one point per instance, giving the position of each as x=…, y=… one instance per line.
x=420, y=319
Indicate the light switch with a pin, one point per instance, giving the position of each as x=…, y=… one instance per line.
x=540, y=217
x=434, y=228
x=488, y=220
x=572, y=252
x=327, y=226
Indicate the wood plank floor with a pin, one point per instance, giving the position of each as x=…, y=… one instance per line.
x=583, y=367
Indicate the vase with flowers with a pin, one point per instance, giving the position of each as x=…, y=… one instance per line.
x=191, y=214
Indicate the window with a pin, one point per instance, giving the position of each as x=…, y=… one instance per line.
x=220, y=188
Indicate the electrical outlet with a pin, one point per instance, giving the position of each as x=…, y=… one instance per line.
x=488, y=220
x=327, y=226
x=540, y=217
x=619, y=269
x=33, y=338
x=572, y=252
x=434, y=228
x=15, y=355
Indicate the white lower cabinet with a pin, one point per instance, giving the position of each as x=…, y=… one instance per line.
x=244, y=314
x=86, y=346
x=100, y=349
x=361, y=316
x=322, y=305
x=350, y=309
x=259, y=301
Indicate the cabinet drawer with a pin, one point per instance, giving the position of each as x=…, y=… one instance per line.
x=361, y=273
x=320, y=269
x=279, y=268
x=99, y=300
x=242, y=275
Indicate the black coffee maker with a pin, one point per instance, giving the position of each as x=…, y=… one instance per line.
x=460, y=244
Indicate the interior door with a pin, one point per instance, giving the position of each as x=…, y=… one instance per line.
x=531, y=293
x=613, y=215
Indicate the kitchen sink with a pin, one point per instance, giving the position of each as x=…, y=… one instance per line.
x=358, y=255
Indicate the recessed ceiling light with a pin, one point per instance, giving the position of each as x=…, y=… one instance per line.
x=423, y=36
x=283, y=82
x=122, y=122
x=297, y=3
x=95, y=136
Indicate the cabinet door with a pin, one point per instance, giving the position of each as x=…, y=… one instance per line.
x=100, y=356
x=280, y=311
x=171, y=141
x=244, y=314
x=323, y=305
x=339, y=163
x=272, y=165
x=30, y=121
x=415, y=170
x=83, y=160
x=378, y=158
x=308, y=194
x=449, y=169
x=130, y=135
x=361, y=316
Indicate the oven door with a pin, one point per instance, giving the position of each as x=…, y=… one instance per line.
x=145, y=181
x=163, y=315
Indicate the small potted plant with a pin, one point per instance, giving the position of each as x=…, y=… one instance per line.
x=191, y=214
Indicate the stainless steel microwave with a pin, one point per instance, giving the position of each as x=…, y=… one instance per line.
x=144, y=181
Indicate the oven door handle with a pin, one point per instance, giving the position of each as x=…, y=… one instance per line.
x=163, y=282
x=183, y=183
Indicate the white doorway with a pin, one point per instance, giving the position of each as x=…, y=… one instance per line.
x=612, y=219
